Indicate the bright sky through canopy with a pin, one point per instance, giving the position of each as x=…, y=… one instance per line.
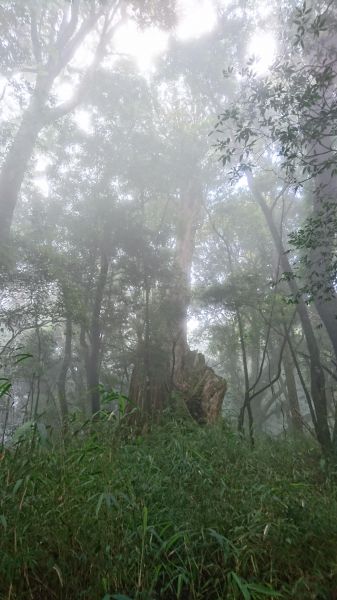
x=263, y=47
x=142, y=45
x=195, y=18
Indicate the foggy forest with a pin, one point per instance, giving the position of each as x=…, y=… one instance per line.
x=168, y=299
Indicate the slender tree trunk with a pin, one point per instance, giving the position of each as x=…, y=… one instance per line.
x=85, y=351
x=264, y=413
x=38, y=377
x=316, y=372
x=66, y=363
x=246, y=402
x=294, y=406
x=89, y=285
x=93, y=362
x=147, y=351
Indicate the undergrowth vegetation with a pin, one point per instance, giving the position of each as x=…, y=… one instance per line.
x=177, y=512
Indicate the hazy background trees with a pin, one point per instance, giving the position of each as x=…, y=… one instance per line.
x=130, y=252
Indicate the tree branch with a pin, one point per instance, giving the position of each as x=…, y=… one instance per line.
x=279, y=367
x=34, y=37
x=68, y=27
x=62, y=109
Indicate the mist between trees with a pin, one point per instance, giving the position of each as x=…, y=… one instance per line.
x=120, y=226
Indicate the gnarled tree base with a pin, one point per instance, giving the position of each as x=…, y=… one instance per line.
x=198, y=386
x=201, y=388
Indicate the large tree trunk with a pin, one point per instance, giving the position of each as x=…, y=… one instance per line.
x=201, y=389
x=173, y=368
x=316, y=372
x=15, y=166
x=321, y=253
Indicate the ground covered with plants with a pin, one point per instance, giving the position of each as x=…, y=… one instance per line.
x=178, y=511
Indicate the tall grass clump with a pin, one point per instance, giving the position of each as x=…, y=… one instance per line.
x=179, y=512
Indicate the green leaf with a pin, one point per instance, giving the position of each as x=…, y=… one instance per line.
x=262, y=589
x=5, y=387
x=242, y=586
x=17, y=486
x=22, y=356
x=167, y=545
x=99, y=504
x=109, y=499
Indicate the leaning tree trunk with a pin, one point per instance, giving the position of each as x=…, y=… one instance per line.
x=317, y=377
x=38, y=114
x=172, y=368
x=15, y=166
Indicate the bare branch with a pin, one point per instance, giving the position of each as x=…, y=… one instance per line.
x=68, y=26
x=68, y=50
x=15, y=334
x=279, y=366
